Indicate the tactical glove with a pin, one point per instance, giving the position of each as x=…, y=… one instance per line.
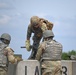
x=19, y=59
x=27, y=43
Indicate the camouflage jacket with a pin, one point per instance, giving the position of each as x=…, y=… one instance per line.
x=50, y=49
x=10, y=55
x=44, y=25
x=37, y=32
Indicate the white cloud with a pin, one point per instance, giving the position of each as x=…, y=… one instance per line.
x=43, y=15
x=3, y=5
x=6, y=5
x=65, y=27
x=18, y=14
x=57, y=23
x=4, y=19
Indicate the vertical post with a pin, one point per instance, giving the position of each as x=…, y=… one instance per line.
x=25, y=70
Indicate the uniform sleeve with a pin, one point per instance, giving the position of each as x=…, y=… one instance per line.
x=10, y=55
x=46, y=25
x=40, y=51
x=29, y=32
x=49, y=25
x=43, y=27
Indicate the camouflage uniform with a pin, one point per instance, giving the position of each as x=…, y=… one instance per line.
x=6, y=56
x=38, y=32
x=49, y=54
x=36, y=39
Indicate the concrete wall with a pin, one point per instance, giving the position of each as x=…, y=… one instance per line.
x=69, y=67
x=32, y=67
x=12, y=69
x=28, y=67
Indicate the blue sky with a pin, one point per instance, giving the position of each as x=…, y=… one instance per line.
x=15, y=17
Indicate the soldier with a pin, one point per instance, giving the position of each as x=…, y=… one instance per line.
x=49, y=54
x=6, y=53
x=37, y=26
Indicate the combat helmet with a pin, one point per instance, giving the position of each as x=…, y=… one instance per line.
x=5, y=36
x=34, y=20
x=48, y=33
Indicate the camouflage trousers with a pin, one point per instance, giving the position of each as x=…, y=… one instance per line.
x=3, y=71
x=35, y=45
x=51, y=68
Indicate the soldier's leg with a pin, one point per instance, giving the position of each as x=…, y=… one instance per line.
x=35, y=45
x=34, y=50
x=56, y=65
x=59, y=73
x=46, y=72
x=51, y=68
x=2, y=72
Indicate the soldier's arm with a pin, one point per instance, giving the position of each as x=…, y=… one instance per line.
x=43, y=27
x=46, y=25
x=29, y=32
x=27, y=42
x=50, y=25
x=40, y=51
x=10, y=55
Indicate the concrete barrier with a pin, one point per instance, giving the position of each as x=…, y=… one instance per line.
x=69, y=67
x=12, y=69
x=32, y=67
x=28, y=67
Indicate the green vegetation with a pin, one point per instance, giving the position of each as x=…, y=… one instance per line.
x=66, y=55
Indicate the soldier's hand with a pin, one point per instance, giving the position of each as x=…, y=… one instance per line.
x=27, y=44
x=19, y=59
